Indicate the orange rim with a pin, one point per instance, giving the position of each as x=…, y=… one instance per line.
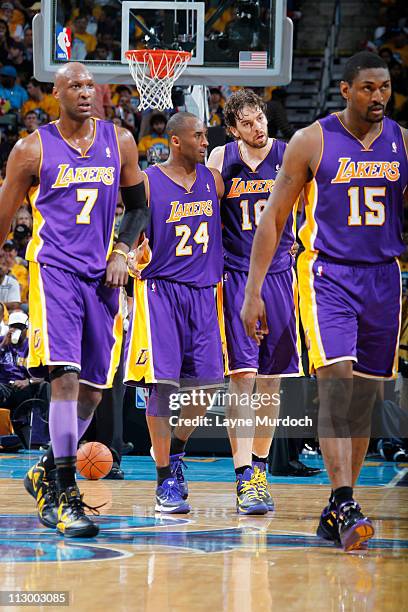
x=155, y=57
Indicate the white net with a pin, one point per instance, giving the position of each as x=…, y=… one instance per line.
x=154, y=73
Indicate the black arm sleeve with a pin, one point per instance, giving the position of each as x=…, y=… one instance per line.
x=136, y=215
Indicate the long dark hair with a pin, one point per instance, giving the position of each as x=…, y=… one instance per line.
x=9, y=40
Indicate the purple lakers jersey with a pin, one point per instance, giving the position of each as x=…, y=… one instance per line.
x=75, y=200
x=184, y=230
x=354, y=204
x=246, y=193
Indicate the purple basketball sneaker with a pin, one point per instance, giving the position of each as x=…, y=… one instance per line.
x=354, y=528
x=169, y=498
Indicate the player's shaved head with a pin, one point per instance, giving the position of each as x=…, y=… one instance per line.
x=74, y=88
x=179, y=122
x=187, y=138
x=71, y=71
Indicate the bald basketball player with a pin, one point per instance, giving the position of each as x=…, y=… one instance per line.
x=175, y=336
x=71, y=170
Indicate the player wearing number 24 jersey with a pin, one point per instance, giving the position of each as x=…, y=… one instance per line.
x=174, y=334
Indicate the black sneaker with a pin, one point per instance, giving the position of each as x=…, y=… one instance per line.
x=43, y=488
x=72, y=520
x=328, y=528
x=354, y=528
x=116, y=472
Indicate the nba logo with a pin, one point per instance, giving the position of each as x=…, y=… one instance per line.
x=320, y=271
x=108, y=153
x=141, y=397
x=63, y=43
x=394, y=147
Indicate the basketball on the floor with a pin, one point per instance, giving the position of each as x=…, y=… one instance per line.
x=94, y=460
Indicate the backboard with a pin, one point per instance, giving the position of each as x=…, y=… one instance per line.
x=233, y=42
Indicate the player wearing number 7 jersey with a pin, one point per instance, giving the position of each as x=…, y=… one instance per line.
x=72, y=170
x=353, y=168
x=175, y=335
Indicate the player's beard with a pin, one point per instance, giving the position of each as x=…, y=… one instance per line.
x=256, y=144
x=376, y=118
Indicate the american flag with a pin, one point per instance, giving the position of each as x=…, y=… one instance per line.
x=253, y=60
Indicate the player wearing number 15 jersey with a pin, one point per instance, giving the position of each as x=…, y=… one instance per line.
x=353, y=168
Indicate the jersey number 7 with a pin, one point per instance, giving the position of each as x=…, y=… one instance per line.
x=89, y=196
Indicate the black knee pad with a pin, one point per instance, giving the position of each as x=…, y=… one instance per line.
x=64, y=369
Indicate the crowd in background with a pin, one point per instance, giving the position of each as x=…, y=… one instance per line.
x=25, y=104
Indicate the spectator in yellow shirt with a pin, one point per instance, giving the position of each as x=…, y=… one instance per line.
x=38, y=99
x=155, y=146
x=80, y=25
x=31, y=123
x=17, y=268
x=14, y=18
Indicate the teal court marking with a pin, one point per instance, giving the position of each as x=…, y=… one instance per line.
x=373, y=474
x=23, y=540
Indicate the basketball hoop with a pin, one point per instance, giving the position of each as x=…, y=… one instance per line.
x=154, y=72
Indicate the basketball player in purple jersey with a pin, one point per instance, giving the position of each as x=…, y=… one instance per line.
x=72, y=169
x=175, y=335
x=249, y=167
x=354, y=169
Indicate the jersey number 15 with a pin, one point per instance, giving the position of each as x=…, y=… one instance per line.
x=376, y=213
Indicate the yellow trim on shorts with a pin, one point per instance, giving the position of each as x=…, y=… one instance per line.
x=39, y=349
x=117, y=333
x=221, y=324
x=396, y=354
x=295, y=290
x=308, y=231
x=140, y=346
x=242, y=370
x=88, y=383
x=308, y=310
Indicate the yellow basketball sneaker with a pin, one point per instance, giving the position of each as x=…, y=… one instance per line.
x=72, y=520
x=43, y=488
x=261, y=483
x=248, y=499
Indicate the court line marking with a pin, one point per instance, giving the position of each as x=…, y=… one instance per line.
x=397, y=478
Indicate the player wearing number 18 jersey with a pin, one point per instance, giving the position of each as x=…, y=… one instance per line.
x=249, y=167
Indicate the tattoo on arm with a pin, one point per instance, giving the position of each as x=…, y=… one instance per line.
x=287, y=178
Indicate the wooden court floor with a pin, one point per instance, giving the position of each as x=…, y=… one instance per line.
x=210, y=560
